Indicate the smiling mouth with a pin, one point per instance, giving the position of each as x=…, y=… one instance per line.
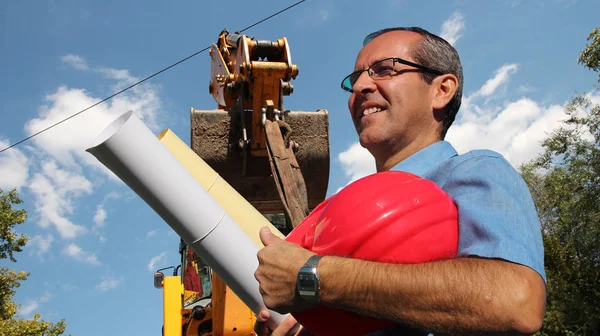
x=370, y=110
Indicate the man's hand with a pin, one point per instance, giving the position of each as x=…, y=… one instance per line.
x=279, y=263
x=289, y=326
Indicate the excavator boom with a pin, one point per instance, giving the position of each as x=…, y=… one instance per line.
x=277, y=159
x=249, y=79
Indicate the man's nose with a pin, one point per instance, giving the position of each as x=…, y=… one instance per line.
x=364, y=84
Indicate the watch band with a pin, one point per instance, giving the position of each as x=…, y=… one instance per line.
x=313, y=261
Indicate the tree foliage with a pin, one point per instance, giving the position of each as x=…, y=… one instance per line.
x=565, y=184
x=590, y=56
x=10, y=243
x=34, y=327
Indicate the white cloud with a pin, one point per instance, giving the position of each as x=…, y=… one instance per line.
x=150, y=234
x=472, y=109
x=121, y=75
x=60, y=151
x=108, y=283
x=512, y=128
x=75, y=61
x=28, y=308
x=99, y=221
x=46, y=297
x=501, y=76
x=66, y=180
x=155, y=260
x=75, y=252
x=594, y=97
x=33, y=305
x=40, y=244
x=515, y=132
x=55, y=189
x=68, y=141
x=453, y=27
x=357, y=162
x=111, y=195
x=526, y=89
x=100, y=216
x=14, y=167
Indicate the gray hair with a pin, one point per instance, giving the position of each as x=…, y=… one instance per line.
x=436, y=53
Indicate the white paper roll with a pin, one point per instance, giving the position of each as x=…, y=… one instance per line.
x=129, y=149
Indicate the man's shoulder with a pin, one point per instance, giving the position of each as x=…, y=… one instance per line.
x=477, y=160
x=477, y=164
x=441, y=161
x=479, y=155
x=483, y=152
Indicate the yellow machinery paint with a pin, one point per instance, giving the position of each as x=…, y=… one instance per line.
x=227, y=314
x=229, y=158
x=172, y=295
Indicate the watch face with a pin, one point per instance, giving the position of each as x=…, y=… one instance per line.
x=307, y=284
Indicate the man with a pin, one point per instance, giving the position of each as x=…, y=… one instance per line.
x=405, y=93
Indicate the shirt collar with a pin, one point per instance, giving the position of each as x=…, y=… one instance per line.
x=422, y=161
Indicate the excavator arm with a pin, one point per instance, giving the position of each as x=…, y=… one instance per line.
x=275, y=158
x=282, y=168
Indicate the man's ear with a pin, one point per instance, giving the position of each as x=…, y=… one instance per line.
x=445, y=87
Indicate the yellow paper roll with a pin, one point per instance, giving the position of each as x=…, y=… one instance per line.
x=236, y=206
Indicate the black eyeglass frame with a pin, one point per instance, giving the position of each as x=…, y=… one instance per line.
x=395, y=59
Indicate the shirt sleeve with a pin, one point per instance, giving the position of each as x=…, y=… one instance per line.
x=497, y=215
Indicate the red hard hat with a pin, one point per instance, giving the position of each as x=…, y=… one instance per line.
x=391, y=217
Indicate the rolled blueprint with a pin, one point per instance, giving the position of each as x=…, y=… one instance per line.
x=129, y=149
x=236, y=206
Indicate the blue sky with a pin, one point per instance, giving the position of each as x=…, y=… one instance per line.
x=94, y=244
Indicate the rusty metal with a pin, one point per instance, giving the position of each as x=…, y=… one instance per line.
x=249, y=79
x=266, y=84
x=215, y=137
x=286, y=172
x=251, y=71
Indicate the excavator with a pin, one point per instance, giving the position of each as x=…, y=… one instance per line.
x=277, y=159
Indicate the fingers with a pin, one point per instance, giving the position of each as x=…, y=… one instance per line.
x=288, y=327
x=267, y=237
x=260, y=327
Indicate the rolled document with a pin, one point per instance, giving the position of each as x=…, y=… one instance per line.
x=236, y=206
x=129, y=149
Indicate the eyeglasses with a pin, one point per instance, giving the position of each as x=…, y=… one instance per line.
x=384, y=69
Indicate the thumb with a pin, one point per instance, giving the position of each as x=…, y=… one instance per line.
x=260, y=326
x=267, y=237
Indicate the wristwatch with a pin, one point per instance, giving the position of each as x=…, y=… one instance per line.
x=308, y=280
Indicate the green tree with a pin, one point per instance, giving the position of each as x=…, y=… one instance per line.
x=590, y=56
x=10, y=242
x=565, y=184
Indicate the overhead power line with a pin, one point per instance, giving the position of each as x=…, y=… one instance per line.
x=143, y=80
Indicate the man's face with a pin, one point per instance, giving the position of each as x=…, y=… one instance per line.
x=398, y=110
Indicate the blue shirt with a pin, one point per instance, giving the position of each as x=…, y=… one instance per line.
x=496, y=214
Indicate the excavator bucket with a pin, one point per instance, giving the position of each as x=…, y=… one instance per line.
x=217, y=137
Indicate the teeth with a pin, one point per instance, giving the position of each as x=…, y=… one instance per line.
x=371, y=110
